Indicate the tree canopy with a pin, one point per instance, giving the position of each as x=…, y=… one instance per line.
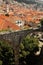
x=28, y=45
x=6, y=54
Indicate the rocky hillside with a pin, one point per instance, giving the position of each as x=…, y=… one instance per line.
x=31, y=1
x=25, y=1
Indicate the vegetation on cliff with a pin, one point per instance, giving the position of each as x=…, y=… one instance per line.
x=6, y=54
x=28, y=47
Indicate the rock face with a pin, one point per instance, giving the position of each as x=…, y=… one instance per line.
x=27, y=1
x=24, y=1
x=31, y=1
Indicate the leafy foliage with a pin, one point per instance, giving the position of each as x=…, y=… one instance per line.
x=6, y=53
x=0, y=62
x=28, y=45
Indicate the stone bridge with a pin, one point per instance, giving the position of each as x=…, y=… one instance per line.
x=15, y=38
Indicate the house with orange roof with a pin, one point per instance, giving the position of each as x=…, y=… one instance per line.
x=7, y=25
x=20, y=16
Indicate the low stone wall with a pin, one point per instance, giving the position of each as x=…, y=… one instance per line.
x=17, y=36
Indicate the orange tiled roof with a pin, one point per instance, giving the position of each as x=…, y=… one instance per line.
x=29, y=13
x=22, y=13
x=4, y=24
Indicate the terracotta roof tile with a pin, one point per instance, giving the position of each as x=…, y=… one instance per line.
x=4, y=24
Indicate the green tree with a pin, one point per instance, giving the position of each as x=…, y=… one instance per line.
x=28, y=45
x=0, y=62
x=6, y=53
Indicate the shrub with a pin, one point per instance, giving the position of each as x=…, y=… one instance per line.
x=28, y=46
x=6, y=53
